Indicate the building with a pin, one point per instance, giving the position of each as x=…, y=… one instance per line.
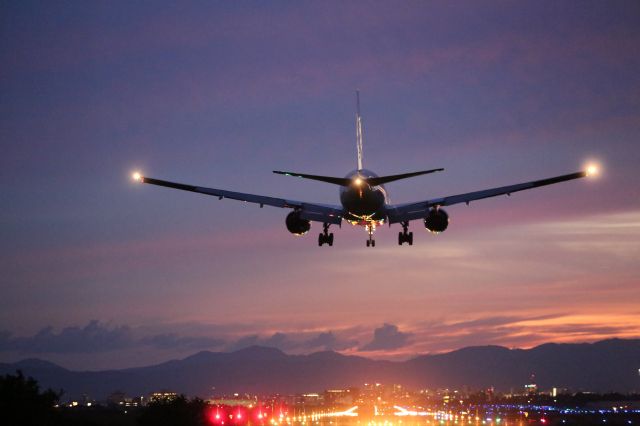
x=162, y=396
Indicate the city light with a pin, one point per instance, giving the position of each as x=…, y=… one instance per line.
x=381, y=405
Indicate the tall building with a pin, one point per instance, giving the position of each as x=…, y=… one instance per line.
x=531, y=388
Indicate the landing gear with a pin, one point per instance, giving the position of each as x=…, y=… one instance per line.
x=370, y=242
x=325, y=237
x=404, y=236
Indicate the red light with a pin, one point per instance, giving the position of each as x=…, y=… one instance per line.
x=214, y=416
x=543, y=420
x=239, y=415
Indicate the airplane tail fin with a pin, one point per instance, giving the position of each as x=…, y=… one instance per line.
x=372, y=181
x=358, y=130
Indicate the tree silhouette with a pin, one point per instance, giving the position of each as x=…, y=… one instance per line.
x=22, y=403
x=176, y=412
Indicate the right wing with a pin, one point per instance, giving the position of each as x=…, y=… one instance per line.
x=310, y=211
x=419, y=210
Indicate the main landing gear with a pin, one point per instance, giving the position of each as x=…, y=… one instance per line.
x=325, y=237
x=404, y=236
x=370, y=242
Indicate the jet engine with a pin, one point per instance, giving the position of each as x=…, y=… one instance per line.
x=296, y=225
x=437, y=221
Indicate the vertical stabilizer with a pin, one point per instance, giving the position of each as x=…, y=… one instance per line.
x=358, y=130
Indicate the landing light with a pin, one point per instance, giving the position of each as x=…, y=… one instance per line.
x=592, y=170
x=358, y=181
x=137, y=176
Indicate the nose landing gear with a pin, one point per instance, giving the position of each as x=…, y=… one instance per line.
x=325, y=237
x=404, y=236
x=370, y=242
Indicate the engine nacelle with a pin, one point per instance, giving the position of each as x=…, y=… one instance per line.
x=297, y=225
x=437, y=221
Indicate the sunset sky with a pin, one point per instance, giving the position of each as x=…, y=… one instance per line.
x=97, y=271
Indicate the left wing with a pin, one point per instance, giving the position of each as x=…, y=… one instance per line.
x=310, y=211
x=411, y=211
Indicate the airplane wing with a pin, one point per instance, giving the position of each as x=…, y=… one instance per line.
x=310, y=211
x=418, y=210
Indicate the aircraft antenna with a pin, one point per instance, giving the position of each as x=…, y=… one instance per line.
x=358, y=130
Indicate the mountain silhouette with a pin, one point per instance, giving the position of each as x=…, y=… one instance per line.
x=608, y=365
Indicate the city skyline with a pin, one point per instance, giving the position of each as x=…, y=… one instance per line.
x=98, y=272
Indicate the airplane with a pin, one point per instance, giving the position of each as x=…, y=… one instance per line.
x=364, y=200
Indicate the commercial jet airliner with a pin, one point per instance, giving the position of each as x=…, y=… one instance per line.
x=364, y=200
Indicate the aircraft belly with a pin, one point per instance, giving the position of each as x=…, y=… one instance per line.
x=363, y=204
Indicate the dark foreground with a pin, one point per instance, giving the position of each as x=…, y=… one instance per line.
x=23, y=403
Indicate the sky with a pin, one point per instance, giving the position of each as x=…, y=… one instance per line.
x=99, y=272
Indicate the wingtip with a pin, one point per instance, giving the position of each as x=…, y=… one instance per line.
x=591, y=170
x=137, y=176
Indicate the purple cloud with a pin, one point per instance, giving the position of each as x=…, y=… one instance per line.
x=387, y=337
x=94, y=337
x=329, y=341
x=175, y=341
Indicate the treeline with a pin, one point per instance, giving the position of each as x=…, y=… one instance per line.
x=23, y=403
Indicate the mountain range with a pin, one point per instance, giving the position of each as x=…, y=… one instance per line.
x=608, y=365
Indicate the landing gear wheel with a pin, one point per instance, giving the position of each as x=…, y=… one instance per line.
x=370, y=242
x=404, y=236
x=325, y=237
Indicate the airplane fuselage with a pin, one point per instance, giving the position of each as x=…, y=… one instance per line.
x=365, y=204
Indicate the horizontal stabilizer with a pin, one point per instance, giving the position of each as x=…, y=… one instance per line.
x=328, y=179
x=372, y=181
x=375, y=181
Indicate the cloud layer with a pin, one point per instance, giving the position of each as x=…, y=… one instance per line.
x=100, y=340
x=93, y=337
